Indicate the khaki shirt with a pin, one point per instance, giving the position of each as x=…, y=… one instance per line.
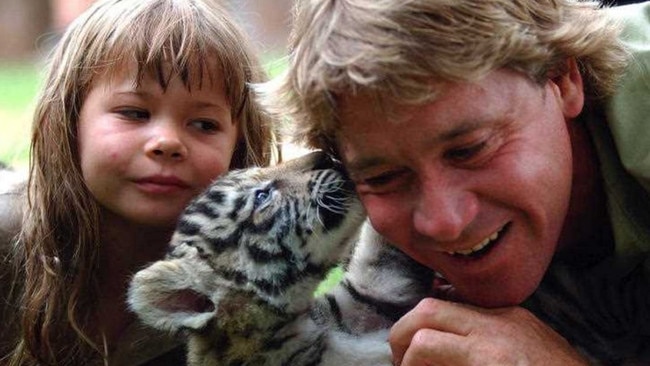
x=626, y=162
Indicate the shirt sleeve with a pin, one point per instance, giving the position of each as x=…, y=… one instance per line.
x=628, y=112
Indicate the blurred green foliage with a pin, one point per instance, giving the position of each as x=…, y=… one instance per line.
x=19, y=83
x=333, y=278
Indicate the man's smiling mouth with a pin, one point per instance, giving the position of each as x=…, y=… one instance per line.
x=482, y=247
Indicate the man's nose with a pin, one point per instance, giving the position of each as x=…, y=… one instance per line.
x=166, y=143
x=443, y=210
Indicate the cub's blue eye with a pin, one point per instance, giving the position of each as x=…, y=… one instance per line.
x=261, y=196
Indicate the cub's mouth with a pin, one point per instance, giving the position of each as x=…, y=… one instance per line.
x=186, y=300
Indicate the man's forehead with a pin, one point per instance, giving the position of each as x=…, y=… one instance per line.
x=368, y=103
x=367, y=130
x=455, y=106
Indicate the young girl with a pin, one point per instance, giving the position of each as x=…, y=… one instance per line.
x=145, y=102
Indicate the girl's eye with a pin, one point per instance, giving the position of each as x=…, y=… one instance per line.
x=134, y=114
x=206, y=126
x=465, y=153
x=261, y=196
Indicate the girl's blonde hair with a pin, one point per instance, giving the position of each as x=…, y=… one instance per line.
x=400, y=50
x=58, y=255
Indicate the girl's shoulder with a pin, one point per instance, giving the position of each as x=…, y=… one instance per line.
x=11, y=209
x=12, y=203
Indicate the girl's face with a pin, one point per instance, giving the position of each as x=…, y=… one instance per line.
x=145, y=151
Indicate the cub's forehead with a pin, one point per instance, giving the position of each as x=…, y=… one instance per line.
x=234, y=188
x=235, y=183
x=239, y=178
x=242, y=181
x=256, y=175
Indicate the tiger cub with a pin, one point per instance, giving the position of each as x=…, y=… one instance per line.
x=249, y=253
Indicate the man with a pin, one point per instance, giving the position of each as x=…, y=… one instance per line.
x=484, y=143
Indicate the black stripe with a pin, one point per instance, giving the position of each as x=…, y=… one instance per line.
x=218, y=245
x=388, y=310
x=202, y=207
x=234, y=275
x=238, y=204
x=276, y=343
x=187, y=227
x=215, y=196
x=335, y=309
x=263, y=227
x=279, y=283
x=264, y=256
x=314, y=350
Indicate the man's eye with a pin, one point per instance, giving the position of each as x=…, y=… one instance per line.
x=205, y=125
x=384, y=183
x=380, y=179
x=388, y=179
x=464, y=153
x=133, y=113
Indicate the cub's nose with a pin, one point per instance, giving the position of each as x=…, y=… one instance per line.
x=320, y=160
x=316, y=160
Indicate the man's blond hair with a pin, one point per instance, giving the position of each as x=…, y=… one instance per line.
x=401, y=50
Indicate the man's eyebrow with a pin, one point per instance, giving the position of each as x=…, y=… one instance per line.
x=356, y=166
x=460, y=129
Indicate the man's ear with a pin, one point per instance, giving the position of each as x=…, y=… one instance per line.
x=568, y=86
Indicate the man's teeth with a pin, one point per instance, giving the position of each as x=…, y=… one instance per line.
x=477, y=247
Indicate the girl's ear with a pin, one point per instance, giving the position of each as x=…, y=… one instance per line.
x=569, y=88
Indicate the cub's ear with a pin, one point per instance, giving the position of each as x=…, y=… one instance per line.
x=165, y=296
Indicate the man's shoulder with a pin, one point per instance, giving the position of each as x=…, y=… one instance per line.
x=628, y=109
x=636, y=16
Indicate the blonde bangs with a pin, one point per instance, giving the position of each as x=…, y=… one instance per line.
x=167, y=39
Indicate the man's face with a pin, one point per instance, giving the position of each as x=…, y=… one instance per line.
x=475, y=184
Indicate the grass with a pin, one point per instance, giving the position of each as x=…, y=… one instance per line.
x=274, y=64
x=19, y=84
x=333, y=278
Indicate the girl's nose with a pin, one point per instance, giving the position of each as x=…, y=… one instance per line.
x=166, y=145
x=442, y=211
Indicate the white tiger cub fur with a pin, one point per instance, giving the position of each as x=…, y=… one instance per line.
x=247, y=256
